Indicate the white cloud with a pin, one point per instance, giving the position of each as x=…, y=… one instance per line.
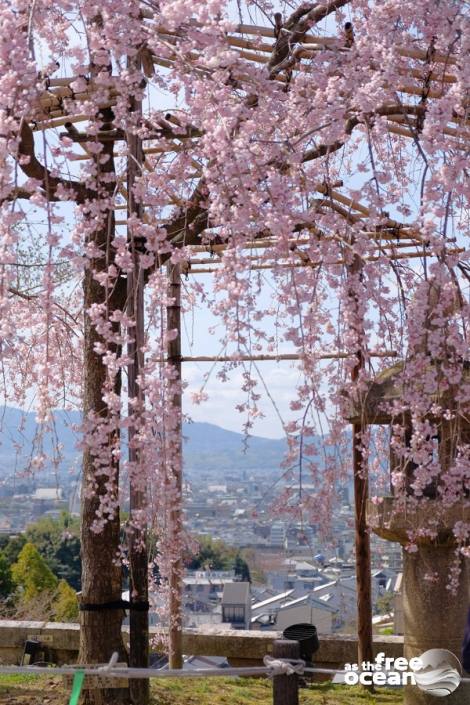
x=280, y=378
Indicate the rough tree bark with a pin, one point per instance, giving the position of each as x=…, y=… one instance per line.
x=137, y=540
x=100, y=629
x=361, y=491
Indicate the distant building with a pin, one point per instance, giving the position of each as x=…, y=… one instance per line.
x=47, y=494
x=236, y=605
x=48, y=500
x=340, y=595
x=205, y=586
x=263, y=613
x=307, y=610
x=298, y=575
x=278, y=535
x=281, y=611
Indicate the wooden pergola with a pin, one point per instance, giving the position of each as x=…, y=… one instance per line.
x=425, y=78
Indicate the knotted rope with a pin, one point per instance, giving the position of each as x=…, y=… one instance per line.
x=278, y=667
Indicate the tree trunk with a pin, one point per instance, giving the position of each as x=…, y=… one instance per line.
x=100, y=628
x=138, y=555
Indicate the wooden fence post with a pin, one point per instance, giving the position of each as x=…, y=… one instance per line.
x=286, y=688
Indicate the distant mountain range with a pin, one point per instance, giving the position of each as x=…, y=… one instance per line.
x=210, y=447
x=206, y=447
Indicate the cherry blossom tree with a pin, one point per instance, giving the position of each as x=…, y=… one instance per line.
x=317, y=150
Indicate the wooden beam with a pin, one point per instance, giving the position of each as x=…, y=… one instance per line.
x=283, y=357
x=291, y=265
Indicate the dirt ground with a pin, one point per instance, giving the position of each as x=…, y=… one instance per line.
x=30, y=692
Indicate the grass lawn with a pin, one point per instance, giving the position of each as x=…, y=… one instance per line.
x=251, y=691
x=33, y=690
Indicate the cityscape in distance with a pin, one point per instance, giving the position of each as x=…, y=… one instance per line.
x=230, y=484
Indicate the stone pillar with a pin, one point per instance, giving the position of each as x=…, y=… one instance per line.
x=434, y=617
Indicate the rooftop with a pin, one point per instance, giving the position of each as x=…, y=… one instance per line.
x=236, y=593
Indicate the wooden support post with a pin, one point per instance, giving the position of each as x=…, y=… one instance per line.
x=176, y=517
x=101, y=628
x=286, y=688
x=361, y=492
x=362, y=544
x=137, y=540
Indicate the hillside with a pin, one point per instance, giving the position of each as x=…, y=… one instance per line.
x=206, y=447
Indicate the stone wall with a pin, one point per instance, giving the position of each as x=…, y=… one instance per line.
x=242, y=648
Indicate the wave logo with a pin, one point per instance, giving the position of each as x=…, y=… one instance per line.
x=439, y=672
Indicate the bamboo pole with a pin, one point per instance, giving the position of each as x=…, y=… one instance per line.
x=423, y=56
x=390, y=243
x=315, y=44
x=388, y=248
x=345, y=200
x=283, y=357
x=433, y=76
x=138, y=556
x=50, y=124
x=290, y=265
x=55, y=113
x=417, y=90
x=166, y=149
x=55, y=99
x=452, y=131
x=246, y=44
x=410, y=133
x=151, y=150
x=59, y=88
x=175, y=633
x=332, y=42
x=404, y=236
x=261, y=31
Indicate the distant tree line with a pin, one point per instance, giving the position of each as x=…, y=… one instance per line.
x=40, y=569
x=217, y=555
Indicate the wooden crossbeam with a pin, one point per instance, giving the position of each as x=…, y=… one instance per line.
x=284, y=356
x=294, y=265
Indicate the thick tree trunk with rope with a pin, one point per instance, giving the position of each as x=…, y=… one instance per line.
x=100, y=626
x=137, y=540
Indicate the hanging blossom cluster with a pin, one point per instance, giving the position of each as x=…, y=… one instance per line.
x=321, y=157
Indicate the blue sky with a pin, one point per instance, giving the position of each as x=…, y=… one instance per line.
x=280, y=377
